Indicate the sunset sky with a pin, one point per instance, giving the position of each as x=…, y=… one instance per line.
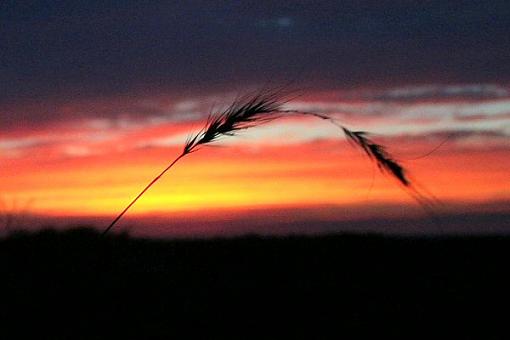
x=97, y=97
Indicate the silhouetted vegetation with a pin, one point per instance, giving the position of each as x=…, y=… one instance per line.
x=264, y=106
x=76, y=284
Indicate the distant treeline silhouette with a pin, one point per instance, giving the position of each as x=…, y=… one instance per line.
x=74, y=284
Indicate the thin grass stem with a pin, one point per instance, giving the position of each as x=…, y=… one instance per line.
x=141, y=193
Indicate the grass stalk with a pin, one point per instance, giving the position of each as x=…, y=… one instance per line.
x=265, y=106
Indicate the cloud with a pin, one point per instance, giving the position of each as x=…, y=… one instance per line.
x=280, y=22
x=103, y=113
x=482, y=116
x=94, y=49
x=78, y=151
x=488, y=219
x=20, y=143
x=465, y=138
x=96, y=70
x=471, y=114
x=440, y=92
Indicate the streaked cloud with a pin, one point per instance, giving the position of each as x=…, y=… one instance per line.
x=164, y=122
x=279, y=22
x=440, y=92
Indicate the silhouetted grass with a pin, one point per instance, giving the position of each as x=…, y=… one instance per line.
x=264, y=106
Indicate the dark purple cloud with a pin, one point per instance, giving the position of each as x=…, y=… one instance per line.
x=474, y=92
x=80, y=49
x=60, y=60
x=463, y=221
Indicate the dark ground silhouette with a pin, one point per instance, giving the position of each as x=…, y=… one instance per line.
x=75, y=284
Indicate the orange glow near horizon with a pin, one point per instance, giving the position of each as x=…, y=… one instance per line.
x=327, y=172
x=95, y=170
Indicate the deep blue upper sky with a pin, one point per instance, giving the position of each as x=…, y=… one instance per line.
x=50, y=49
